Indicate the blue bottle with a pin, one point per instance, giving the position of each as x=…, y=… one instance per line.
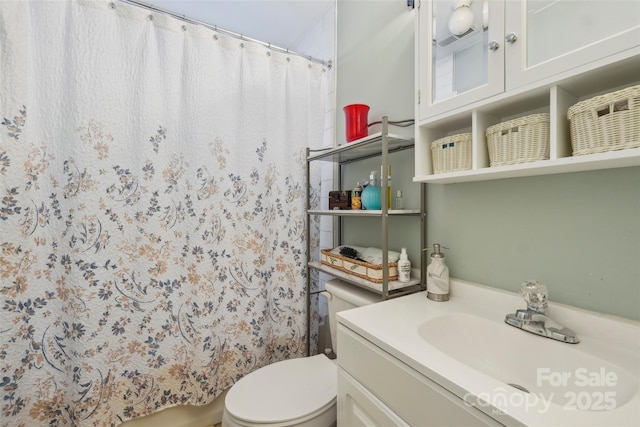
x=371, y=194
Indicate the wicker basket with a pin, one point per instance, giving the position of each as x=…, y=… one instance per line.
x=606, y=122
x=364, y=270
x=522, y=140
x=452, y=153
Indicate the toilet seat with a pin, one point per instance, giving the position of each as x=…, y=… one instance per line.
x=284, y=393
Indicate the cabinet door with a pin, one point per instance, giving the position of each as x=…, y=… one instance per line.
x=549, y=37
x=457, y=62
x=357, y=407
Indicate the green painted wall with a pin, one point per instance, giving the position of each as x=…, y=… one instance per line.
x=404, y=230
x=578, y=233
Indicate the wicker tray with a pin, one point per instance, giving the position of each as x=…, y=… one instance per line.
x=606, y=122
x=370, y=272
x=452, y=153
x=522, y=140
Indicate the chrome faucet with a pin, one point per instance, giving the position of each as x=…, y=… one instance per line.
x=534, y=318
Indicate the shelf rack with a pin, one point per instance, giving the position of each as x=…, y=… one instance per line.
x=380, y=144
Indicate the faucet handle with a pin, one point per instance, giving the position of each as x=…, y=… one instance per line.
x=535, y=294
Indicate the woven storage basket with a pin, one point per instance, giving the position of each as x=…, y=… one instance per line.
x=452, y=153
x=522, y=140
x=606, y=122
x=364, y=270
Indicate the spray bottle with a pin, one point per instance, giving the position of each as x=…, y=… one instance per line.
x=404, y=267
x=437, y=276
x=371, y=194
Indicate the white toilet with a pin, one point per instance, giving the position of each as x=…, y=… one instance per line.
x=297, y=392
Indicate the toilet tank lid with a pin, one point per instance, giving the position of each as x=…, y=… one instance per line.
x=283, y=391
x=351, y=293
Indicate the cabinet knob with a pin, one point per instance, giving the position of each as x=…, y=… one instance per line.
x=511, y=38
x=494, y=45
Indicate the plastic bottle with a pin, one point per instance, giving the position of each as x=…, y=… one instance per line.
x=404, y=267
x=356, y=197
x=371, y=194
x=437, y=276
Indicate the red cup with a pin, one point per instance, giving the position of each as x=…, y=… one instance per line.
x=356, y=116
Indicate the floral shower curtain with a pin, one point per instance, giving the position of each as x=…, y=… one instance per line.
x=153, y=210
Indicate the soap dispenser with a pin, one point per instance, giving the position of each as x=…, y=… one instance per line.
x=437, y=276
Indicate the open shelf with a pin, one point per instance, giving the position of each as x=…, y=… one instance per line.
x=360, y=149
x=364, y=212
x=395, y=288
x=608, y=160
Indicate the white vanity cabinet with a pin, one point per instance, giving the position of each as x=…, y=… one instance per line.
x=506, y=45
x=374, y=388
x=517, y=59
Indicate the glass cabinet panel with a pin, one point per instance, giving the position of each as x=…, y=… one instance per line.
x=459, y=47
x=548, y=37
x=556, y=28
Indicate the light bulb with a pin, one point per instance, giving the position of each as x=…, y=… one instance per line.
x=460, y=20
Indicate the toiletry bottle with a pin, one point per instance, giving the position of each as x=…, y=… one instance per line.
x=356, y=197
x=399, y=200
x=372, y=178
x=437, y=276
x=371, y=194
x=404, y=267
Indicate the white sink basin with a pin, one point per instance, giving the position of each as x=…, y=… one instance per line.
x=550, y=370
x=464, y=346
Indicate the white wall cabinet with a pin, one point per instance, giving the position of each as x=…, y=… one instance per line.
x=553, y=37
x=561, y=52
x=455, y=70
x=510, y=44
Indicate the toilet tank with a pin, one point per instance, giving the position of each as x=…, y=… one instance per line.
x=345, y=296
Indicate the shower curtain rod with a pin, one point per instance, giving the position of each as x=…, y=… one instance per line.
x=149, y=6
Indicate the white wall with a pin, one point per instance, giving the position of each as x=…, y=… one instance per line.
x=375, y=61
x=375, y=66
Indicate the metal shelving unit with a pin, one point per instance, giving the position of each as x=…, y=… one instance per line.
x=380, y=144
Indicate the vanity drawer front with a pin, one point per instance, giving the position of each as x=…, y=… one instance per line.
x=415, y=398
x=358, y=407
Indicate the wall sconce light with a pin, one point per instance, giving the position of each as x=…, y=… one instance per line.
x=462, y=17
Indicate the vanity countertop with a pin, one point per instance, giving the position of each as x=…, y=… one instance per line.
x=592, y=383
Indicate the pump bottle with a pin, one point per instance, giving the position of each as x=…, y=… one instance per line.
x=437, y=276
